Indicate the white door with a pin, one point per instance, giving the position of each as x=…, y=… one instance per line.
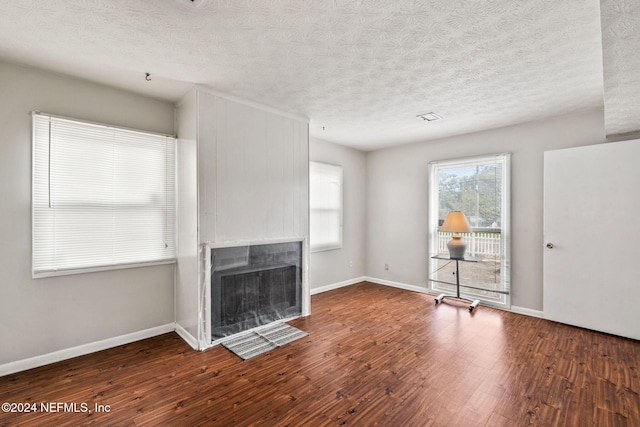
x=592, y=237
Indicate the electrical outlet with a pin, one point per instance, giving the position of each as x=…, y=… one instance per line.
x=350, y=264
x=386, y=266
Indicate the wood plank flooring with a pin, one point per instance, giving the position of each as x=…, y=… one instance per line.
x=375, y=356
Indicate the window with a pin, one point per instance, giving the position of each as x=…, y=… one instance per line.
x=479, y=187
x=103, y=197
x=325, y=203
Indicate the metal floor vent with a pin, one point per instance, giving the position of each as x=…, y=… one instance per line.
x=257, y=342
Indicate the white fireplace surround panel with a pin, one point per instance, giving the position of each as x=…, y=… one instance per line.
x=248, y=177
x=204, y=316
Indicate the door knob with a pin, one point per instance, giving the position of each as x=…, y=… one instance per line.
x=550, y=245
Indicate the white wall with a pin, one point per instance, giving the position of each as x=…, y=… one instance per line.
x=397, y=198
x=253, y=167
x=186, y=291
x=331, y=267
x=39, y=316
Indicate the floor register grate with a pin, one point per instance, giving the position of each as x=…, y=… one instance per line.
x=257, y=342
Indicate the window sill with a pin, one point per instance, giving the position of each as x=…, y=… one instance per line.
x=324, y=249
x=53, y=273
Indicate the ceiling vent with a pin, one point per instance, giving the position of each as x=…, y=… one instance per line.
x=429, y=117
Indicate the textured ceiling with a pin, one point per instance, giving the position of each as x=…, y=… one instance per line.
x=621, y=53
x=361, y=70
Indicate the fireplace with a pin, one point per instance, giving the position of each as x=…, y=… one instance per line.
x=254, y=285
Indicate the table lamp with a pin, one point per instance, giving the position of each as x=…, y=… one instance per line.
x=456, y=223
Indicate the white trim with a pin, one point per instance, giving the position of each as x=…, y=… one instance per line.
x=527, y=311
x=514, y=309
x=237, y=243
x=306, y=285
x=83, y=270
x=205, y=345
x=471, y=160
x=337, y=285
x=263, y=107
x=187, y=337
x=81, y=350
x=204, y=302
x=398, y=285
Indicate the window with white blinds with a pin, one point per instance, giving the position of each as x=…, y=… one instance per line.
x=103, y=197
x=325, y=206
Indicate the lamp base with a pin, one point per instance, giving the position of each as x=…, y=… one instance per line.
x=456, y=247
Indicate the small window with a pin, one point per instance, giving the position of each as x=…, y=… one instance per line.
x=325, y=203
x=103, y=197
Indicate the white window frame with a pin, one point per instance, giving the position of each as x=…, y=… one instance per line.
x=334, y=174
x=504, y=300
x=58, y=188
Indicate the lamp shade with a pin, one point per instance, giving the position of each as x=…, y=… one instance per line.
x=456, y=222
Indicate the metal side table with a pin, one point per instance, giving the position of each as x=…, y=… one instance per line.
x=439, y=298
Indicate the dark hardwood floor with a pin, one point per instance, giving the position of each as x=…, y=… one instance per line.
x=375, y=356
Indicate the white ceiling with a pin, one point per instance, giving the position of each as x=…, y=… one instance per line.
x=361, y=70
x=621, y=39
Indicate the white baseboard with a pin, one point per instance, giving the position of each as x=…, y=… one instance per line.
x=399, y=285
x=514, y=309
x=81, y=350
x=185, y=335
x=527, y=311
x=337, y=285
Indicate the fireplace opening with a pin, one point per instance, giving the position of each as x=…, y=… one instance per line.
x=254, y=285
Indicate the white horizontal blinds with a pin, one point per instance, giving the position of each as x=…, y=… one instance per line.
x=102, y=196
x=325, y=204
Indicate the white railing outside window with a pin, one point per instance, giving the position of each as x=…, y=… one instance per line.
x=479, y=244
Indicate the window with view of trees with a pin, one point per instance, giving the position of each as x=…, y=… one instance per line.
x=479, y=188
